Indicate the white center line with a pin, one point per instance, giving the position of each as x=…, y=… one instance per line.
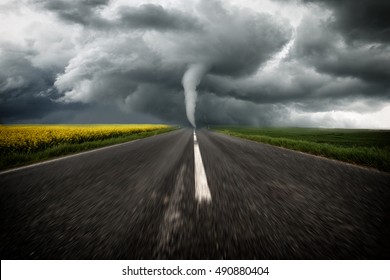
x=202, y=191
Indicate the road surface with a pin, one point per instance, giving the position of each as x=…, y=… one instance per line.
x=185, y=196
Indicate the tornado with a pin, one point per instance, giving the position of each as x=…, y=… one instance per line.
x=191, y=79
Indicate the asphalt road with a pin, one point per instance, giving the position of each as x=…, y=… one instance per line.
x=137, y=201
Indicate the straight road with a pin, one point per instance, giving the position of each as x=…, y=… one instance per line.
x=204, y=196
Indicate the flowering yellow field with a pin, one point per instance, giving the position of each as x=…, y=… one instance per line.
x=31, y=138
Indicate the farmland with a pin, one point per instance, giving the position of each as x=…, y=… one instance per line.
x=369, y=148
x=20, y=144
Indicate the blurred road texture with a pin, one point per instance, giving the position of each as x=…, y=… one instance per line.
x=137, y=201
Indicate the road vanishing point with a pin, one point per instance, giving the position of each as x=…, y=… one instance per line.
x=194, y=195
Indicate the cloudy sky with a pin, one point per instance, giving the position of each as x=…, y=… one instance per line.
x=319, y=63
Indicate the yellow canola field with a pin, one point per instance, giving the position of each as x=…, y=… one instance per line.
x=31, y=138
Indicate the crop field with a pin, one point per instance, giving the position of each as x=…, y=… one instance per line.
x=21, y=144
x=359, y=146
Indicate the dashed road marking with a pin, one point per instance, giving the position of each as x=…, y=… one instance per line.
x=202, y=191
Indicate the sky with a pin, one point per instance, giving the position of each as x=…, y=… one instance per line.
x=307, y=63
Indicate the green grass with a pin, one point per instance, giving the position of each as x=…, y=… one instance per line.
x=358, y=146
x=19, y=158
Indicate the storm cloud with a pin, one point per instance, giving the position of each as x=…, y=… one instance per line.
x=360, y=19
x=301, y=63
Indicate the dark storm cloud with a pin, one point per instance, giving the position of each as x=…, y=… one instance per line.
x=317, y=45
x=228, y=110
x=157, y=100
x=143, y=72
x=146, y=16
x=361, y=19
x=371, y=65
x=151, y=16
x=84, y=12
x=20, y=85
x=236, y=42
x=25, y=90
x=129, y=61
x=358, y=19
x=293, y=84
x=350, y=49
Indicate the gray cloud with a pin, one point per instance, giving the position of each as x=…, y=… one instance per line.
x=21, y=85
x=214, y=110
x=360, y=19
x=357, y=19
x=130, y=64
x=83, y=12
x=151, y=16
x=146, y=16
x=316, y=44
x=143, y=72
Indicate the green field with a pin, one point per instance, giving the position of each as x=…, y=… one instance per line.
x=25, y=144
x=359, y=146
